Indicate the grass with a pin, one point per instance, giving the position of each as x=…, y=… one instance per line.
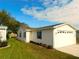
x=21, y=50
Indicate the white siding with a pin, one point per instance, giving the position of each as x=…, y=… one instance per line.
x=22, y=37
x=27, y=38
x=47, y=36
x=34, y=37
x=64, y=39
x=3, y=33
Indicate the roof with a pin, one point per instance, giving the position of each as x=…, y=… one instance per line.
x=45, y=27
x=49, y=27
x=53, y=26
x=23, y=26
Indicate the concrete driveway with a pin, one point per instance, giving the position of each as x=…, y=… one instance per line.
x=73, y=50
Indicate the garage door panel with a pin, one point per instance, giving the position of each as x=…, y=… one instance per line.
x=64, y=39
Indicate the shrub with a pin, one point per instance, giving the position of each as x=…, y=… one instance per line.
x=49, y=47
x=3, y=43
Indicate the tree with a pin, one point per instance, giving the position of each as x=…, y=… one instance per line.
x=9, y=21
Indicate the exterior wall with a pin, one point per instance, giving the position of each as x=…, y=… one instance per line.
x=47, y=36
x=27, y=38
x=21, y=31
x=34, y=37
x=64, y=39
x=3, y=34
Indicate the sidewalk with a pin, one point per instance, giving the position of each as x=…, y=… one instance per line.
x=73, y=50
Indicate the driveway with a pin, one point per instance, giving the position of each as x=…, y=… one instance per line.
x=73, y=50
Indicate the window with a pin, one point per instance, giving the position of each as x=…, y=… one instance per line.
x=24, y=34
x=64, y=31
x=39, y=35
x=70, y=32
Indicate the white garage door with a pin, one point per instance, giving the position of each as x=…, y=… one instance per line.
x=64, y=38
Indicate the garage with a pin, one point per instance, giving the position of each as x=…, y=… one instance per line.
x=64, y=35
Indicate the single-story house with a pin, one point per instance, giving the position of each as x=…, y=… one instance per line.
x=3, y=33
x=58, y=35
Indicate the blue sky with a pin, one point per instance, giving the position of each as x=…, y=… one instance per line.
x=38, y=13
x=14, y=6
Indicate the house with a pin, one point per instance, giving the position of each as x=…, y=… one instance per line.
x=56, y=36
x=3, y=33
x=12, y=35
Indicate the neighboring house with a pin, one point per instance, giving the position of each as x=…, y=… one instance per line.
x=11, y=35
x=3, y=33
x=58, y=35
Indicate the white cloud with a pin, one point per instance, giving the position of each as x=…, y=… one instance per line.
x=69, y=13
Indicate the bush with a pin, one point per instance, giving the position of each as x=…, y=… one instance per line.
x=49, y=47
x=3, y=43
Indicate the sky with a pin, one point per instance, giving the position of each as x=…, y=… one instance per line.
x=14, y=8
x=38, y=13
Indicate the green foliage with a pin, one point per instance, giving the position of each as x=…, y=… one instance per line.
x=9, y=21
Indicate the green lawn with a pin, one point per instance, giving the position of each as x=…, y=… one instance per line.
x=21, y=50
